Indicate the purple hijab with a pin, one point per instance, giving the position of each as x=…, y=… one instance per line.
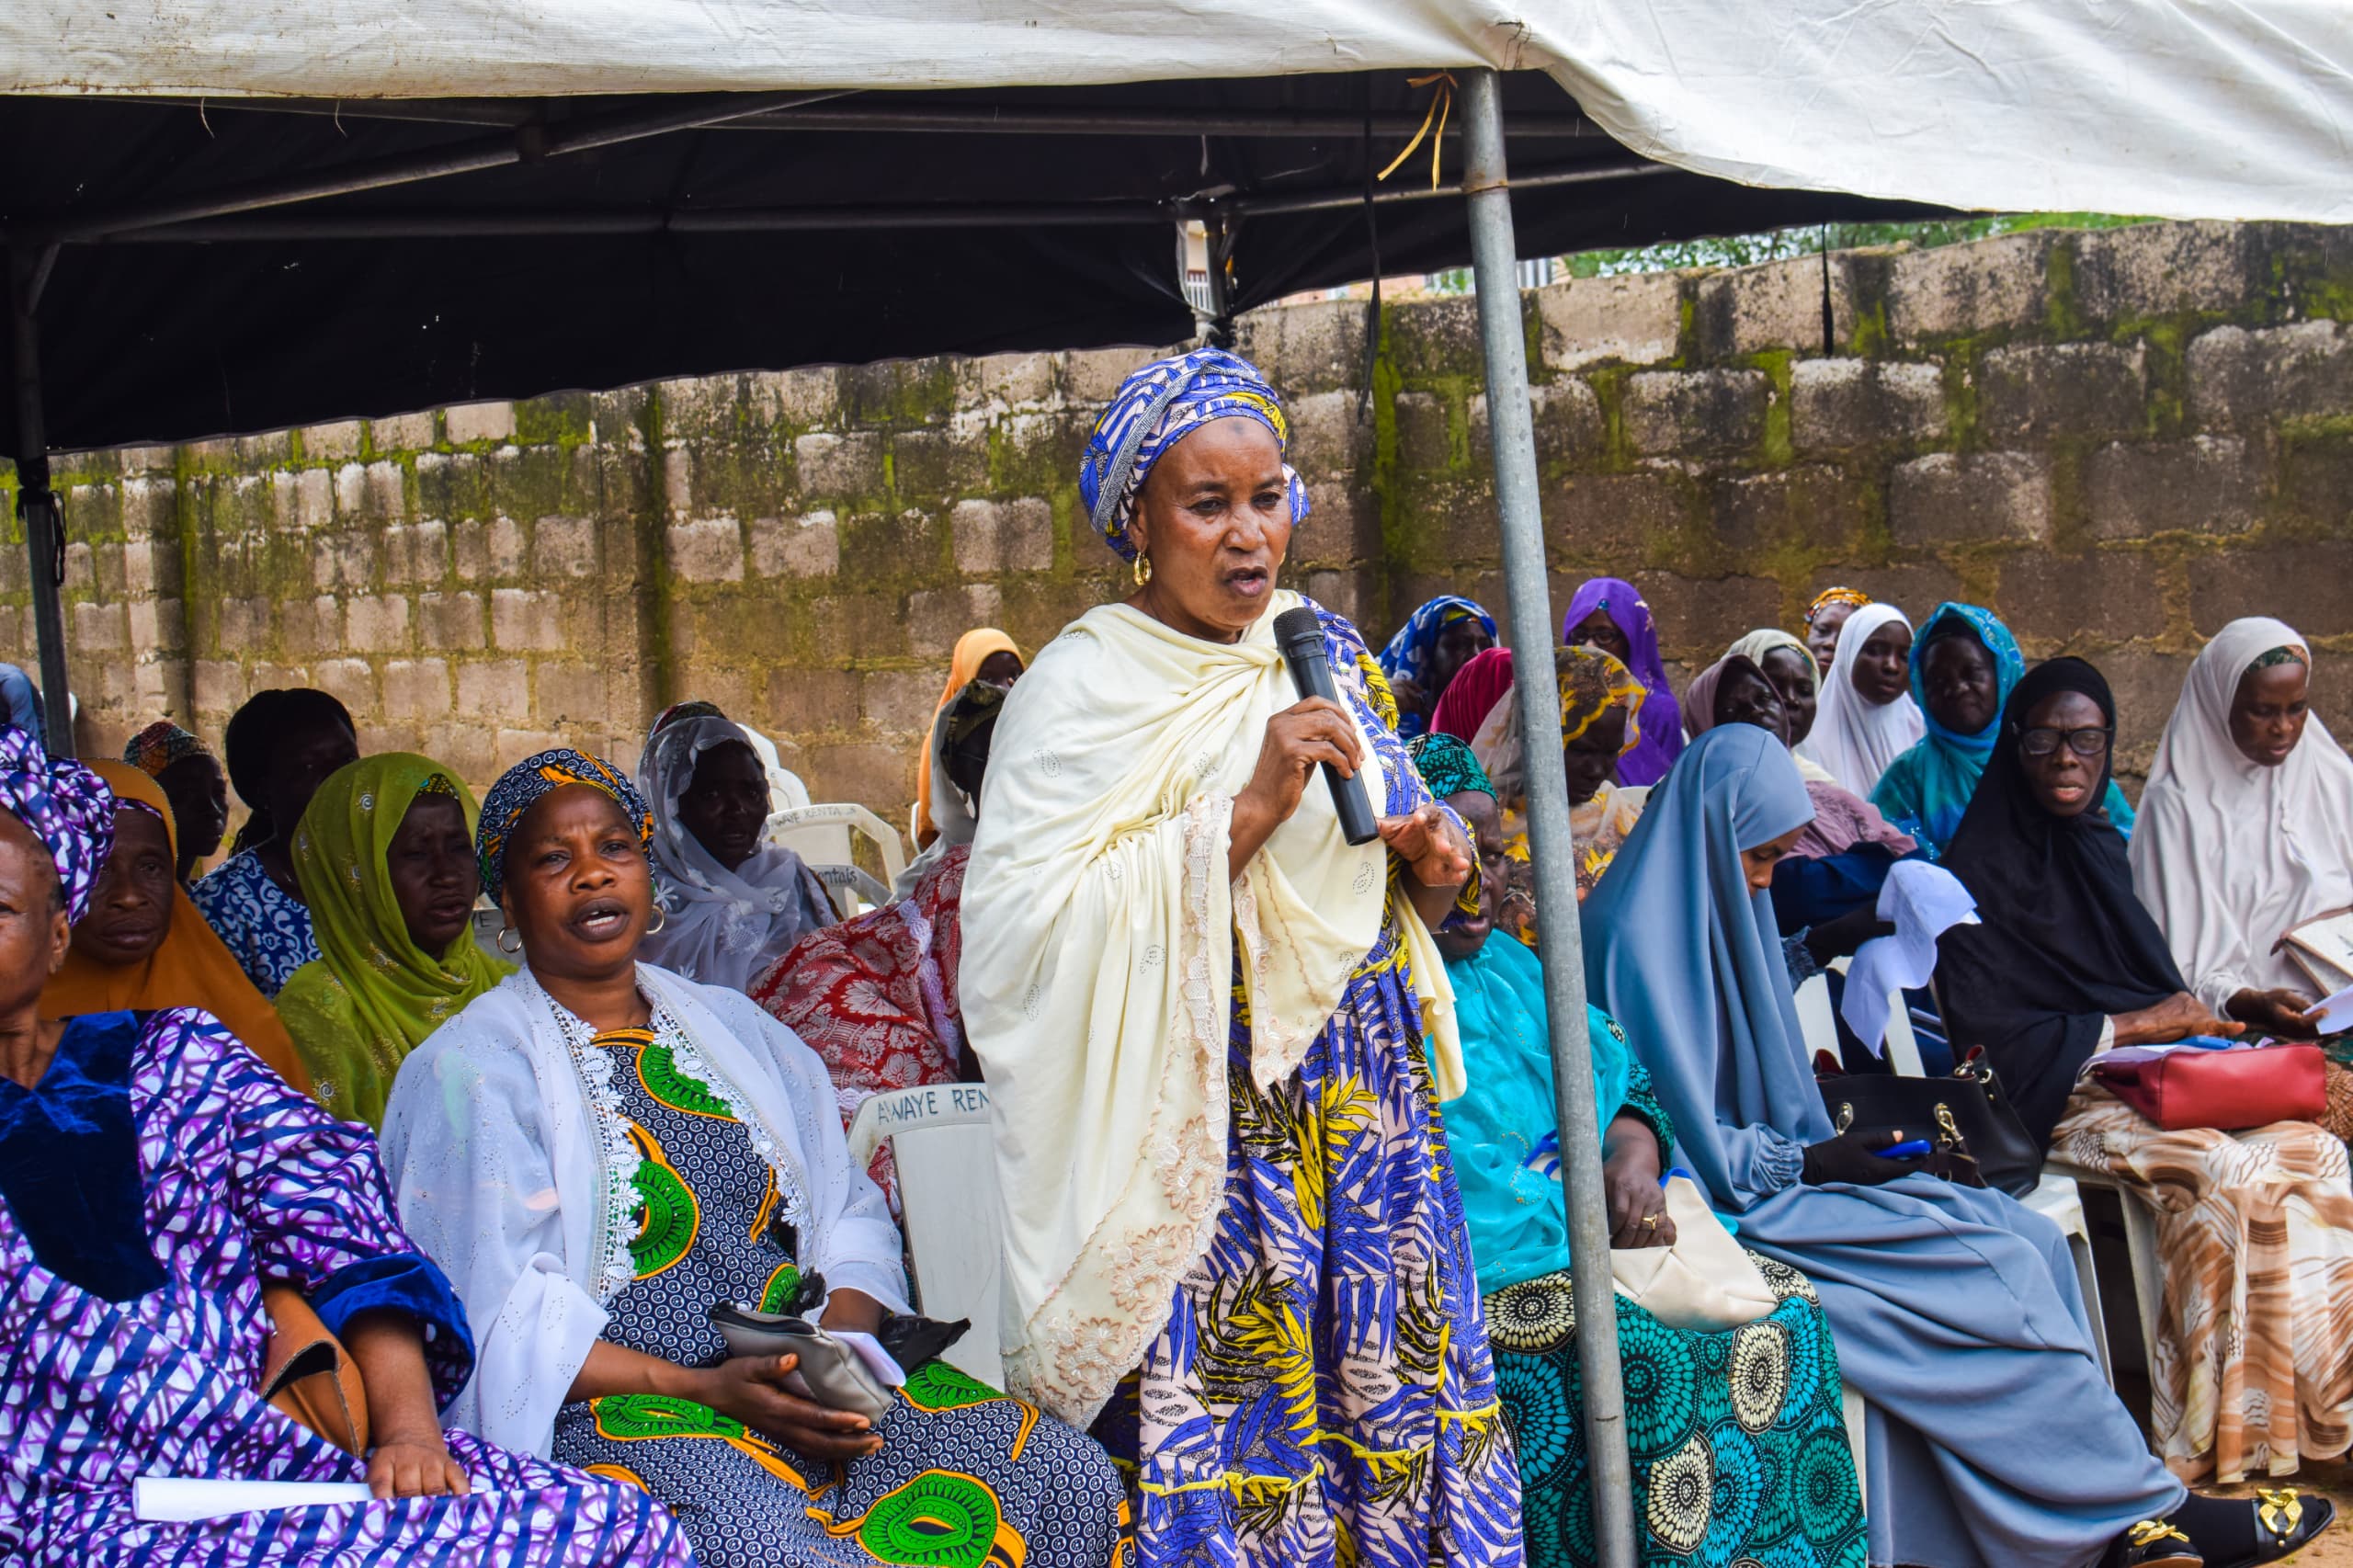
x=1662, y=739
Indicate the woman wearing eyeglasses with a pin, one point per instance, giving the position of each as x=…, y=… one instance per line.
x=2254, y=1369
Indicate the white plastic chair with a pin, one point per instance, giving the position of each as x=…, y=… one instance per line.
x=821, y=835
x=2140, y=1248
x=946, y=1155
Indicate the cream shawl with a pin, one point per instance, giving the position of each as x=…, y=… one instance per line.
x=1099, y=955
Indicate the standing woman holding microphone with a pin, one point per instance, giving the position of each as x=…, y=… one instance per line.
x=1216, y=1034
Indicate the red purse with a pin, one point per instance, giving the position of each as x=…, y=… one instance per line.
x=2228, y=1089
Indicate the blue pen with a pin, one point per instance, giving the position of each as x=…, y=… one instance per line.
x=1910, y=1149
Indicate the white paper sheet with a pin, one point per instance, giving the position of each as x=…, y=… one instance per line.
x=178, y=1500
x=2337, y=1011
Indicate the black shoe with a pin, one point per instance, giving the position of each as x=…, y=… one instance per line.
x=2152, y=1543
x=2284, y=1520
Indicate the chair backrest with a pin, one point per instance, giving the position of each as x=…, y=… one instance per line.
x=1821, y=1024
x=1815, y=1016
x=941, y=1142
x=821, y=835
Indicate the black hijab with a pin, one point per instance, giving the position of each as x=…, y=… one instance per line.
x=2063, y=942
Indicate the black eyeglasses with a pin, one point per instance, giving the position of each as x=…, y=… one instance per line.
x=2083, y=742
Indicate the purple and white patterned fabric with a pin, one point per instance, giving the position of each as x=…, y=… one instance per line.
x=68, y=807
x=242, y=1178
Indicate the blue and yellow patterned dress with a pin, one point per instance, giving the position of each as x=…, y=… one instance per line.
x=1323, y=1394
x=967, y=1477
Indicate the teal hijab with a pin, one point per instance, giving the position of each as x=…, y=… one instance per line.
x=1926, y=790
x=1502, y=1132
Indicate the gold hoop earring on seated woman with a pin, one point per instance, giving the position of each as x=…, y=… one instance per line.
x=504, y=932
x=661, y=918
x=1143, y=570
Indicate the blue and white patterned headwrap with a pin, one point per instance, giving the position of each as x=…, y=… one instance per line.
x=65, y=805
x=524, y=785
x=1407, y=655
x=1158, y=406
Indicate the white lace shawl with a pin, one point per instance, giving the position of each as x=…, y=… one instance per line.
x=505, y=1145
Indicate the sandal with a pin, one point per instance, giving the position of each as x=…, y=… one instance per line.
x=2152, y=1543
x=2284, y=1520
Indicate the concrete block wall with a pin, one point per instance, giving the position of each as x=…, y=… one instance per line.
x=2118, y=439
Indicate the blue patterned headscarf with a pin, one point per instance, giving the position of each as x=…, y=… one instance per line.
x=1984, y=628
x=1408, y=655
x=65, y=805
x=1158, y=406
x=524, y=785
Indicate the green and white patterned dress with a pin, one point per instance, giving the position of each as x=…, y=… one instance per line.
x=967, y=1477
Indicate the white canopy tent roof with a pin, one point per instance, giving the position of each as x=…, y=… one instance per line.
x=2203, y=108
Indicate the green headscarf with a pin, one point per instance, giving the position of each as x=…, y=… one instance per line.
x=373, y=995
x=1448, y=765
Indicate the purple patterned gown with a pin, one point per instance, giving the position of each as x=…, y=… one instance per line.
x=239, y=1177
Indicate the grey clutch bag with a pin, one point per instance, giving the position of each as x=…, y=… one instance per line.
x=830, y=1371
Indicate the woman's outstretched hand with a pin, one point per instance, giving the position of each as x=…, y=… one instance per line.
x=2179, y=1016
x=2290, y=1015
x=1433, y=848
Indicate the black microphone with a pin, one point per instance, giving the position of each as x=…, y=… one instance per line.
x=1301, y=637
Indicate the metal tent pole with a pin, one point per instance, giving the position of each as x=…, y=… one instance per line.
x=36, y=502
x=1504, y=338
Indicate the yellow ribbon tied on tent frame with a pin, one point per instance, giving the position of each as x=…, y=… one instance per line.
x=1441, y=105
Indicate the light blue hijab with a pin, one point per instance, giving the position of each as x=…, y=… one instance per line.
x=1504, y=1132
x=1995, y=1441
x=1733, y=789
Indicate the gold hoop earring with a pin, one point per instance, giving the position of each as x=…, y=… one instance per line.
x=500, y=940
x=661, y=918
x=1143, y=570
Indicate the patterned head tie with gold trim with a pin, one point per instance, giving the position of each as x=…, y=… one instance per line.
x=1853, y=599
x=159, y=745
x=1158, y=406
x=524, y=785
x=1592, y=683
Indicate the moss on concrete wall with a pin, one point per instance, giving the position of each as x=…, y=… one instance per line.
x=2119, y=438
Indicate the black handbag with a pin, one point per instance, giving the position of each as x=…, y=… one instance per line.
x=1966, y=1113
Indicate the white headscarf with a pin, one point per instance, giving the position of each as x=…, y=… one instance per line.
x=1854, y=739
x=509, y=1156
x=1098, y=925
x=2228, y=854
x=721, y=928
